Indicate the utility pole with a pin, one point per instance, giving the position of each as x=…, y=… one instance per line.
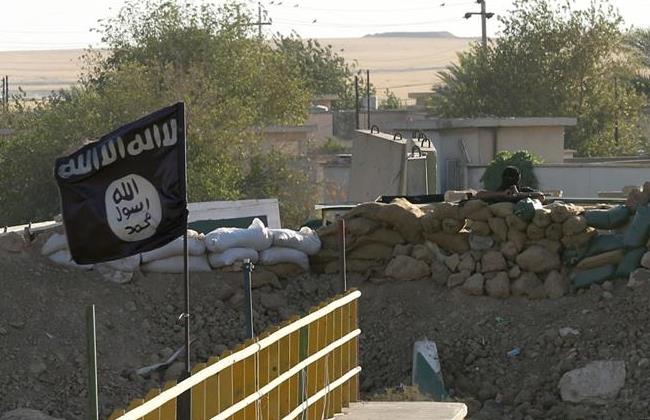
x=259, y=22
x=484, y=17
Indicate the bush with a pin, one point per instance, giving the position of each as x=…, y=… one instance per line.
x=522, y=159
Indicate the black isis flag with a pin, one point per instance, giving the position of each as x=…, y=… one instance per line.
x=125, y=193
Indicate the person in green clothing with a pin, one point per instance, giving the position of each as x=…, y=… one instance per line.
x=510, y=190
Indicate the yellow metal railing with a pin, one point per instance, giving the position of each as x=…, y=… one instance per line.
x=307, y=368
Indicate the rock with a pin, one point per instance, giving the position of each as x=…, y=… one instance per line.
x=534, y=232
x=538, y=259
x=480, y=243
x=174, y=371
x=474, y=285
x=405, y=249
x=407, y=268
x=502, y=210
x=606, y=258
x=499, y=227
x=12, y=242
x=553, y=246
x=579, y=240
x=525, y=285
x=538, y=292
x=481, y=215
x=498, y=286
x=542, y=218
x=458, y=243
x=452, y=262
x=452, y=226
x=479, y=228
x=596, y=383
x=37, y=367
x=360, y=226
x=285, y=270
x=518, y=238
x=554, y=231
x=458, y=279
x=400, y=213
x=574, y=225
x=469, y=207
x=645, y=260
x=467, y=263
x=26, y=414
x=446, y=210
x=371, y=251
x=555, y=285
x=430, y=223
x=261, y=278
x=273, y=301
x=567, y=331
x=439, y=273
x=509, y=250
x=638, y=277
x=493, y=261
x=422, y=252
x=514, y=272
x=516, y=222
x=381, y=236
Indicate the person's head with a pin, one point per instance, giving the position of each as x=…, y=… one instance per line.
x=509, y=177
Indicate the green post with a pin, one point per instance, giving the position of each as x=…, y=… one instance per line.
x=91, y=345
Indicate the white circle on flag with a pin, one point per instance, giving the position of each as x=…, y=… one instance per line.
x=133, y=209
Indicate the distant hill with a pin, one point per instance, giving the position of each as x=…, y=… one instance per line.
x=439, y=34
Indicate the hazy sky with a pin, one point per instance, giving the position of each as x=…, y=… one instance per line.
x=49, y=24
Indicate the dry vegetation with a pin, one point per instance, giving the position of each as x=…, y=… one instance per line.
x=402, y=64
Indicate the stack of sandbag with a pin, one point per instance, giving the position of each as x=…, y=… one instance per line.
x=289, y=254
x=169, y=258
x=57, y=250
x=372, y=231
x=637, y=197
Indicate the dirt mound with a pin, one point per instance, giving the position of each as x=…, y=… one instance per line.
x=42, y=336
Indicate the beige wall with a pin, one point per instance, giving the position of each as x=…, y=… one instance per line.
x=324, y=126
x=545, y=142
x=292, y=143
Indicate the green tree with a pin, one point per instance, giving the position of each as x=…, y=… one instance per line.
x=553, y=60
x=158, y=52
x=323, y=69
x=391, y=101
x=522, y=160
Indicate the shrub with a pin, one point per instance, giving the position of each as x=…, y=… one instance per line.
x=522, y=159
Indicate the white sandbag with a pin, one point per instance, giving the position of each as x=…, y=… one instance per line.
x=195, y=246
x=56, y=242
x=63, y=257
x=305, y=240
x=231, y=256
x=278, y=255
x=127, y=264
x=174, y=265
x=257, y=236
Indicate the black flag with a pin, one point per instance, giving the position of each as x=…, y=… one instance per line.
x=125, y=193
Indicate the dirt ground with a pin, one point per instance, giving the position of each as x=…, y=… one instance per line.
x=42, y=331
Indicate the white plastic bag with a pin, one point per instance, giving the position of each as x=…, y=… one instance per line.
x=174, y=265
x=257, y=236
x=63, y=257
x=305, y=240
x=56, y=242
x=279, y=255
x=195, y=246
x=231, y=256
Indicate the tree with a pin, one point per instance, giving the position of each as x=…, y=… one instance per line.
x=553, y=60
x=323, y=70
x=391, y=101
x=159, y=52
x=522, y=160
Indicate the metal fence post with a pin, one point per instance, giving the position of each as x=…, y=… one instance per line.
x=248, y=300
x=91, y=346
x=342, y=257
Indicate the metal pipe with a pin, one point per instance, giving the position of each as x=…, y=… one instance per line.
x=342, y=257
x=368, y=95
x=91, y=346
x=248, y=300
x=356, y=99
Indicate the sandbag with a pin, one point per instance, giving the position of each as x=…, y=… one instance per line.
x=231, y=256
x=631, y=261
x=594, y=276
x=174, y=265
x=256, y=236
x=572, y=256
x=63, y=257
x=598, y=260
x=195, y=246
x=607, y=218
x=304, y=240
x=604, y=243
x=526, y=208
x=636, y=233
x=56, y=242
x=279, y=255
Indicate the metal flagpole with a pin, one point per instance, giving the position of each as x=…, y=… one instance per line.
x=184, y=408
